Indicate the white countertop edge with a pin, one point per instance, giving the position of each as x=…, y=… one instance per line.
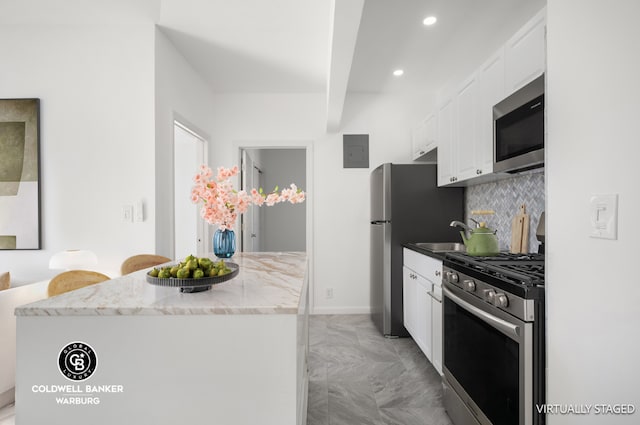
x=269, y=283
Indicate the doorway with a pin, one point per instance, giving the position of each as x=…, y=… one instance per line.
x=189, y=154
x=252, y=220
x=281, y=227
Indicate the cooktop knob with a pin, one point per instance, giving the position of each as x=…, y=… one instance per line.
x=501, y=300
x=489, y=295
x=469, y=285
x=452, y=277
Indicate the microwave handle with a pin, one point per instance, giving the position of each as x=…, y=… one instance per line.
x=512, y=331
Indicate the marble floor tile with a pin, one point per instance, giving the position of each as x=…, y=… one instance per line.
x=318, y=403
x=353, y=403
x=317, y=367
x=415, y=416
x=349, y=321
x=340, y=353
x=348, y=371
x=407, y=391
x=370, y=379
x=347, y=337
x=378, y=349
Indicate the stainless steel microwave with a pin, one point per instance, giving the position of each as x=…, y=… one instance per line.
x=518, y=129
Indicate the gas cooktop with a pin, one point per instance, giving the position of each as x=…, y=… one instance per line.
x=520, y=274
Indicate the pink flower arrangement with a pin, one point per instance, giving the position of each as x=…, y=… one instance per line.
x=221, y=204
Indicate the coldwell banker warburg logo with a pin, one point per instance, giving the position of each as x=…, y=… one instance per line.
x=77, y=361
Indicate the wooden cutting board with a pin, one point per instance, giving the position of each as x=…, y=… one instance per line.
x=520, y=232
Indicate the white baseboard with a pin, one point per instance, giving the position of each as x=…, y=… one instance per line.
x=341, y=310
x=7, y=397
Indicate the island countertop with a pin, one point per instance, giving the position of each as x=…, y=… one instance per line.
x=268, y=283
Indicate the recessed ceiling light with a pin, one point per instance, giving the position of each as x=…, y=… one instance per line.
x=429, y=20
x=398, y=72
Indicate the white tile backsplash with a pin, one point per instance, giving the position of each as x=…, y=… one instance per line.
x=505, y=198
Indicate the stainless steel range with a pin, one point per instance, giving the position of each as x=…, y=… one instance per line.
x=493, y=339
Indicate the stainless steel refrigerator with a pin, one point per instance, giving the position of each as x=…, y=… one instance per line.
x=406, y=206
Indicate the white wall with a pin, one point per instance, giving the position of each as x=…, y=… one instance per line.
x=340, y=196
x=284, y=224
x=180, y=94
x=96, y=88
x=593, y=293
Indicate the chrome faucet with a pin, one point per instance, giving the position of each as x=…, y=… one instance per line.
x=460, y=224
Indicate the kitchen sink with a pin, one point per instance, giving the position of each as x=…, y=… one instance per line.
x=441, y=246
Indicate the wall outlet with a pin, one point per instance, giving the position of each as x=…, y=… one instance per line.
x=329, y=293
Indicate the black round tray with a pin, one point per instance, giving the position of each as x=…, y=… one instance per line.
x=194, y=285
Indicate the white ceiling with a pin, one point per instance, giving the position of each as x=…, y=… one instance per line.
x=252, y=45
x=283, y=45
x=291, y=46
x=392, y=36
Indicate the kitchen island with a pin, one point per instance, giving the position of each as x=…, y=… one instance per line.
x=236, y=354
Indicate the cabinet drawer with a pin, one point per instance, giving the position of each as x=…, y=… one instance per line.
x=428, y=267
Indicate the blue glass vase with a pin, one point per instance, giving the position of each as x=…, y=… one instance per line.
x=224, y=243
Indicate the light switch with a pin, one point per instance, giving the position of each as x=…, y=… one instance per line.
x=603, y=212
x=127, y=213
x=139, y=211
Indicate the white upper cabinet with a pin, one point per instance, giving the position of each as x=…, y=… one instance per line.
x=525, y=53
x=446, y=148
x=466, y=128
x=465, y=140
x=491, y=90
x=462, y=126
x=431, y=132
x=423, y=137
x=462, y=152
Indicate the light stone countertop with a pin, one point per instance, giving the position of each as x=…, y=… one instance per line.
x=268, y=283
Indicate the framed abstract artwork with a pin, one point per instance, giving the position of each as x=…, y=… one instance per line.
x=20, y=174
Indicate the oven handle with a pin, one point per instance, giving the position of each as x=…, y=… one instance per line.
x=502, y=325
x=436, y=299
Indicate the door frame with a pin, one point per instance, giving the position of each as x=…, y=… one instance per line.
x=307, y=145
x=243, y=176
x=203, y=230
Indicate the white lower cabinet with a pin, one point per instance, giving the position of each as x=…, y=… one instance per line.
x=417, y=309
x=436, y=328
x=409, y=305
x=422, y=295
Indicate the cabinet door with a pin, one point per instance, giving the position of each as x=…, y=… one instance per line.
x=525, y=53
x=419, y=140
x=417, y=309
x=423, y=316
x=490, y=92
x=409, y=288
x=446, y=151
x=466, y=128
x=436, y=328
x=426, y=266
x=423, y=137
x=430, y=128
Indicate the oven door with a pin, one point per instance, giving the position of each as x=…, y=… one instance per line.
x=487, y=359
